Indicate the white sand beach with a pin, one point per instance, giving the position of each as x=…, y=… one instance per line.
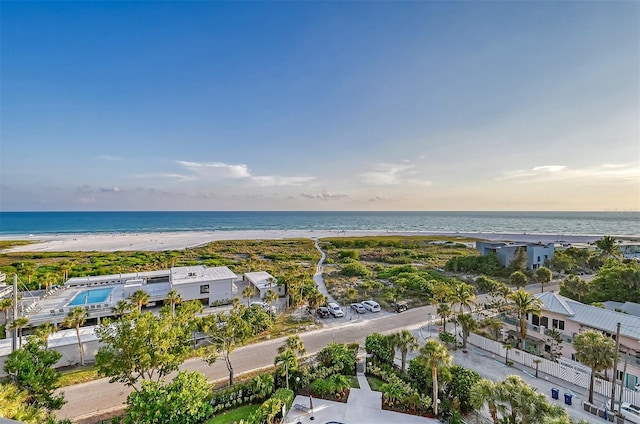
x=108, y=242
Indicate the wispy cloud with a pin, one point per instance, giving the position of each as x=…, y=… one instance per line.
x=603, y=172
x=325, y=195
x=168, y=175
x=394, y=174
x=109, y=157
x=240, y=171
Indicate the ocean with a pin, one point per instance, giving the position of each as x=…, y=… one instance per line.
x=560, y=223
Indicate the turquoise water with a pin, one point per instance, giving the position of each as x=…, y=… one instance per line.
x=569, y=223
x=88, y=297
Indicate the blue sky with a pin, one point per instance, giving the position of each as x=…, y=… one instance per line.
x=320, y=106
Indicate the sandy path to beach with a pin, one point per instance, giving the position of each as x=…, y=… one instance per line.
x=107, y=242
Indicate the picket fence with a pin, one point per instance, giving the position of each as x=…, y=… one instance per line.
x=565, y=369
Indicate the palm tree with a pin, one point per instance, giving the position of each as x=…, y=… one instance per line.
x=444, y=310
x=140, y=297
x=315, y=299
x=608, y=247
x=433, y=354
x=405, y=342
x=468, y=324
x=543, y=276
x=271, y=297
x=174, y=299
x=494, y=324
x=464, y=296
x=486, y=392
x=18, y=324
x=76, y=319
x=294, y=344
x=524, y=303
x=5, y=305
x=44, y=331
x=248, y=293
x=64, y=268
x=121, y=308
x=286, y=361
x=595, y=350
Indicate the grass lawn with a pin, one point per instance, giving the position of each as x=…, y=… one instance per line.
x=354, y=382
x=78, y=375
x=375, y=383
x=234, y=415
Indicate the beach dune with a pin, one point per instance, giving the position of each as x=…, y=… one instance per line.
x=111, y=242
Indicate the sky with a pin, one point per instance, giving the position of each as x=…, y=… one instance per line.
x=322, y=105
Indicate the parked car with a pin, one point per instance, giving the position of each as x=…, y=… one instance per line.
x=630, y=412
x=358, y=308
x=323, y=312
x=371, y=306
x=402, y=306
x=335, y=310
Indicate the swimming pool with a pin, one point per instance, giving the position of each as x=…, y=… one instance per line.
x=88, y=297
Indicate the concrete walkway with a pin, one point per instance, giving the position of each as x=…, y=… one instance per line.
x=364, y=406
x=317, y=277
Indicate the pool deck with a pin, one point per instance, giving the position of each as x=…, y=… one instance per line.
x=54, y=306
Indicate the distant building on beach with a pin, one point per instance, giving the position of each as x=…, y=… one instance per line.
x=262, y=281
x=538, y=254
x=98, y=294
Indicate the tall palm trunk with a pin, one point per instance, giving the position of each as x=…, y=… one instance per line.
x=80, y=345
x=434, y=377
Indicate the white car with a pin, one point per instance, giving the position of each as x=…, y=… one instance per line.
x=358, y=308
x=630, y=412
x=334, y=309
x=371, y=306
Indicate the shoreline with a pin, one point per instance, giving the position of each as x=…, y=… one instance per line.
x=178, y=240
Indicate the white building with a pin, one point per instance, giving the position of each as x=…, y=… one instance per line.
x=262, y=281
x=202, y=283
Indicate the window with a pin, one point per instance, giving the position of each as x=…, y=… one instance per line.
x=535, y=320
x=558, y=324
x=538, y=258
x=544, y=321
x=204, y=288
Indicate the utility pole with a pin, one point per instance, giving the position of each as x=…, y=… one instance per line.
x=14, y=336
x=624, y=375
x=615, y=368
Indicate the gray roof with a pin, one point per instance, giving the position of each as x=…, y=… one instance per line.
x=200, y=273
x=592, y=316
x=555, y=303
x=260, y=279
x=630, y=308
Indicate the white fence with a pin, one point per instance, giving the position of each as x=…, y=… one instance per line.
x=565, y=369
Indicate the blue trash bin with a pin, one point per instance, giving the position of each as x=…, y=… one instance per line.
x=555, y=393
x=567, y=398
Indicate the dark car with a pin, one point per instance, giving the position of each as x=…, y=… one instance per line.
x=401, y=306
x=323, y=312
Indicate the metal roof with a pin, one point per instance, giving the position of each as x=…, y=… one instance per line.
x=592, y=316
x=554, y=303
